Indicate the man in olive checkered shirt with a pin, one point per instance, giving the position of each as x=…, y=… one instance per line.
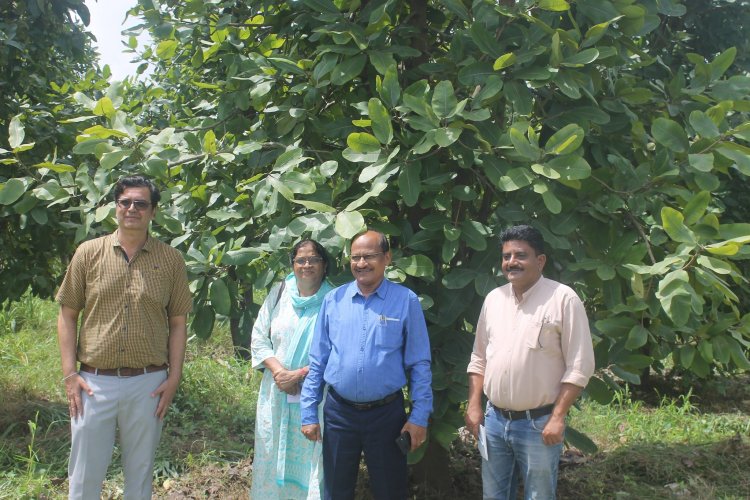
x=131, y=294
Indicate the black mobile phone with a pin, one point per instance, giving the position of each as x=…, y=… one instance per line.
x=404, y=442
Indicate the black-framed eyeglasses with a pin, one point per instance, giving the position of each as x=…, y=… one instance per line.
x=301, y=261
x=370, y=257
x=139, y=205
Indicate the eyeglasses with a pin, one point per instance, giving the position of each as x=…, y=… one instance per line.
x=139, y=205
x=301, y=261
x=370, y=257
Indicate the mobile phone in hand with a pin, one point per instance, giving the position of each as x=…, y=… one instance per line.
x=404, y=442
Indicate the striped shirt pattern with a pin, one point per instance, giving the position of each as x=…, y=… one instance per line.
x=126, y=305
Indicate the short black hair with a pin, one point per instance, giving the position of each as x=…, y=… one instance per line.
x=131, y=181
x=318, y=249
x=526, y=233
x=385, y=246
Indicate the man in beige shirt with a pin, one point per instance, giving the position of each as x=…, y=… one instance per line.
x=532, y=357
x=133, y=293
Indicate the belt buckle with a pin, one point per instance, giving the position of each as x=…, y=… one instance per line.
x=119, y=375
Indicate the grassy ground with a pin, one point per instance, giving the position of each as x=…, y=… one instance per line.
x=695, y=445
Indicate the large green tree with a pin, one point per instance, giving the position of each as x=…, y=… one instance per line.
x=43, y=47
x=441, y=122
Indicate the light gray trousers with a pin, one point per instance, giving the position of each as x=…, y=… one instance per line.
x=123, y=403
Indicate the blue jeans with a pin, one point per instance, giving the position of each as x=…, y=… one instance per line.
x=515, y=448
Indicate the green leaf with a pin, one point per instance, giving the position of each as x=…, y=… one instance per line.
x=166, y=49
x=673, y=224
x=703, y=125
x=566, y=140
x=348, y=69
x=16, y=132
x=723, y=62
x=104, y=107
x=315, y=206
x=349, y=224
x=580, y=440
x=701, y=162
x=504, y=61
x=474, y=234
x=381, y=121
x=458, y=278
x=446, y=136
x=599, y=391
x=570, y=167
x=581, y=58
x=298, y=182
x=240, y=256
x=55, y=167
x=637, y=338
x=669, y=133
x=362, y=142
x=515, y=178
x=409, y=185
x=390, y=90
x=112, y=159
x=324, y=6
x=457, y=7
x=203, y=322
x=11, y=191
x=554, y=5
x=722, y=351
x=740, y=158
x=221, y=300
x=444, y=101
x=696, y=207
x=522, y=145
x=419, y=266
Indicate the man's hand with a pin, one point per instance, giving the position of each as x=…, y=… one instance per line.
x=166, y=392
x=73, y=387
x=312, y=432
x=553, y=431
x=288, y=380
x=473, y=418
x=417, y=432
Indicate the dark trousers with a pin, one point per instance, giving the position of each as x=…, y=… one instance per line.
x=348, y=432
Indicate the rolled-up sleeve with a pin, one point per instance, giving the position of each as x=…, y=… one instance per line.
x=577, y=346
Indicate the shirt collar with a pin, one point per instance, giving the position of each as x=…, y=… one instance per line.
x=528, y=292
x=380, y=291
x=148, y=246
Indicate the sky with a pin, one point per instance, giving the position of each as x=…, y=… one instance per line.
x=107, y=18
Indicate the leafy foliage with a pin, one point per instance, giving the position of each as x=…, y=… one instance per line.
x=439, y=122
x=43, y=48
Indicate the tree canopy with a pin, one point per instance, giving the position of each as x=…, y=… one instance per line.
x=439, y=122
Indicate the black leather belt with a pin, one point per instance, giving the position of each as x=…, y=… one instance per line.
x=525, y=414
x=123, y=372
x=369, y=405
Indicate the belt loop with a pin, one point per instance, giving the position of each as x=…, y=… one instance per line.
x=96, y=371
x=528, y=414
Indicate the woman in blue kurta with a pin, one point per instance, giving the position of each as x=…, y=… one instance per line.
x=286, y=465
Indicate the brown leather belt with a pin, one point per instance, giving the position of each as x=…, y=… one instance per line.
x=369, y=404
x=123, y=372
x=525, y=414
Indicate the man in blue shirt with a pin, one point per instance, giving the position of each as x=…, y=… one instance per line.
x=369, y=338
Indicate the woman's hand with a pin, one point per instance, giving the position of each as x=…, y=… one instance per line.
x=289, y=380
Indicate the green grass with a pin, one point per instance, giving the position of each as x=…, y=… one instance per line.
x=694, y=445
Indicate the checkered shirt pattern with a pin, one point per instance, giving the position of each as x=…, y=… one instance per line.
x=126, y=305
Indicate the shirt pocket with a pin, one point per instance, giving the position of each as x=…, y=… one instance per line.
x=389, y=333
x=544, y=336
